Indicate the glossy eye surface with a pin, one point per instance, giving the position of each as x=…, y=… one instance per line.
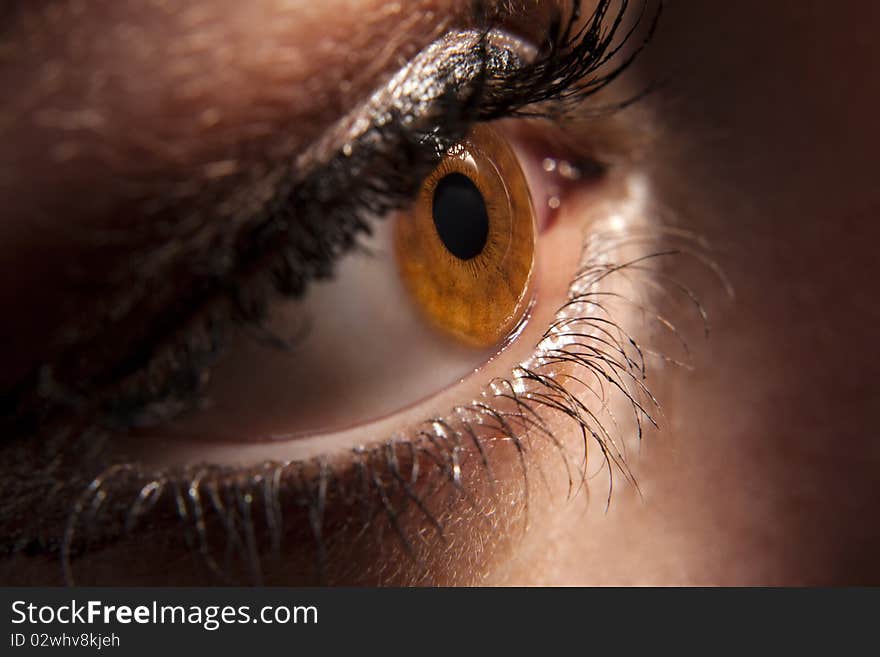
x=466, y=249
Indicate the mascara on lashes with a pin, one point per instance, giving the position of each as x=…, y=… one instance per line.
x=239, y=474
x=305, y=226
x=450, y=71
x=391, y=140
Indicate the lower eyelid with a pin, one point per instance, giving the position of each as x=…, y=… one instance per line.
x=558, y=253
x=405, y=500
x=558, y=256
x=481, y=453
x=250, y=402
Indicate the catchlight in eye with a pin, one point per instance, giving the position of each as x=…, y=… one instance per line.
x=466, y=248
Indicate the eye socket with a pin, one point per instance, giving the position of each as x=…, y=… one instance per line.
x=466, y=249
x=350, y=353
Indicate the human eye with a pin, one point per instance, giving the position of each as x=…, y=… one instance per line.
x=384, y=344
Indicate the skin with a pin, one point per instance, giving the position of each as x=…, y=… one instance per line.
x=772, y=471
x=767, y=467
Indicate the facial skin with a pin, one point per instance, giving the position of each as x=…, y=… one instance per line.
x=763, y=141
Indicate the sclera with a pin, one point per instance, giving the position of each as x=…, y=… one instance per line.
x=481, y=300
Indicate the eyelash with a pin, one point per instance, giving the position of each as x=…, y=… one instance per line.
x=233, y=498
x=240, y=510
x=288, y=248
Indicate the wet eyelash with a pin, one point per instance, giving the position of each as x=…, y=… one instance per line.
x=234, y=520
x=289, y=247
x=246, y=505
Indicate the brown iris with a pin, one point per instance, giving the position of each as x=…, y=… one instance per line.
x=466, y=248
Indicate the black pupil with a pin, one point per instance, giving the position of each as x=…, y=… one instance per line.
x=460, y=216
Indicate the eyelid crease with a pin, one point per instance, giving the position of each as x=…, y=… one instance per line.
x=446, y=67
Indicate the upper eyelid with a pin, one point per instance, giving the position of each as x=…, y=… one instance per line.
x=455, y=59
x=280, y=198
x=456, y=449
x=383, y=37
x=284, y=197
x=592, y=58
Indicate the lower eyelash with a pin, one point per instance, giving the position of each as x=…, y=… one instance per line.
x=297, y=236
x=587, y=366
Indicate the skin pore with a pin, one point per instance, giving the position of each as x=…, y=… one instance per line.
x=766, y=467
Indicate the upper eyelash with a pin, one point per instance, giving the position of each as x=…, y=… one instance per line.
x=166, y=374
x=179, y=487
